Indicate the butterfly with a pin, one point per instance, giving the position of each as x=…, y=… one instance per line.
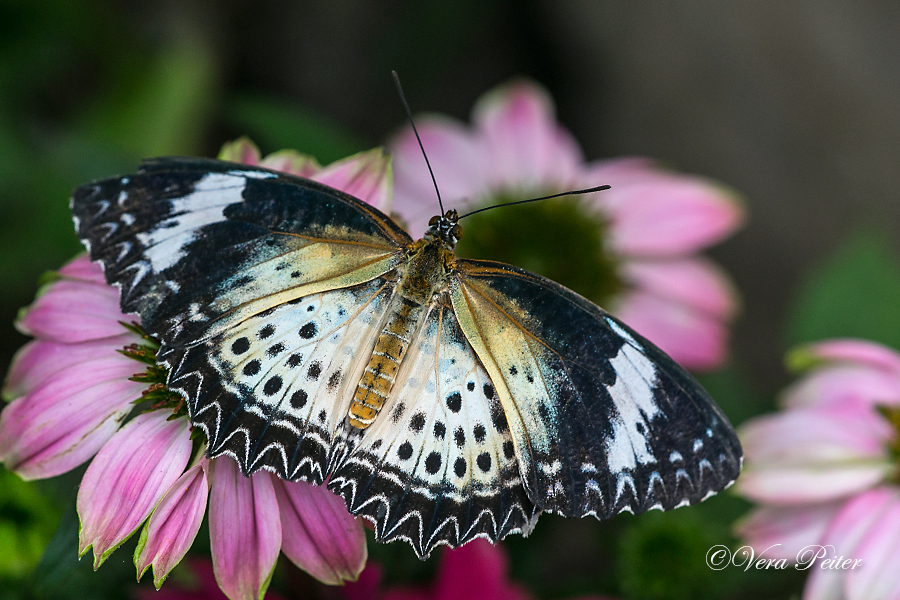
x=443, y=398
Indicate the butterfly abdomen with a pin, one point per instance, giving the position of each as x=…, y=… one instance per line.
x=424, y=273
x=378, y=378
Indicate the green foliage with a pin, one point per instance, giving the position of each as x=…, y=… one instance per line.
x=662, y=558
x=60, y=575
x=278, y=125
x=734, y=393
x=27, y=521
x=853, y=293
x=158, y=106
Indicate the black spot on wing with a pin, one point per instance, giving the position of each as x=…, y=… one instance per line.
x=454, y=402
x=405, y=508
x=240, y=345
x=417, y=422
x=314, y=370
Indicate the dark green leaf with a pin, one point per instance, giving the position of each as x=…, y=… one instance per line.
x=279, y=125
x=854, y=293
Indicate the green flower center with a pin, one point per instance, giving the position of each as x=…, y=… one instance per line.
x=892, y=414
x=560, y=239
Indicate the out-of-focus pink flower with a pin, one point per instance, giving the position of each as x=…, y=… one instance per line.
x=72, y=390
x=475, y=571
x=656, y=220
x=824, y=470
x=366, y=175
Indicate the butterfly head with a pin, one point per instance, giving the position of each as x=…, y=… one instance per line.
x=445, y=228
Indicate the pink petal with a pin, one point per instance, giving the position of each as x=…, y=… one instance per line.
x=241, y=150
x=694, y=282
x=477, y=570
x=844, y=535
x=66, y=420
x=620, y=171
x=842, y=384
x=292, y=162
x=39, y=360
x=244, y=529
x=528, y=150
x=656, y=213
x=783, y=531
x=172, y=527
x=693, y=338
x=126, y=479
x=82, y=268
x=863, y=352
x=366, y=175
x=75, y=311
x=810, y=455
x=877, y=577
x=318, y=534
x=459, y=163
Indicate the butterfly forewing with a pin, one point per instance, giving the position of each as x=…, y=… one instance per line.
x=602, y=420
x=212, y=253
x=439, y=465
x=187, y=240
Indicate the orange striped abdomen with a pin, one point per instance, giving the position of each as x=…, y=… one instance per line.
x=378, y=378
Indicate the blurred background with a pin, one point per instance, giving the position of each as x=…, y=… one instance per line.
x=794, y=105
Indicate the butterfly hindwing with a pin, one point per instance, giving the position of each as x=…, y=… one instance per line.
x=272, y=390
x=438, y=464
x=602, y=420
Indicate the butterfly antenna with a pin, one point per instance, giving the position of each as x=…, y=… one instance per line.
x=599, y=188
x=418, y=139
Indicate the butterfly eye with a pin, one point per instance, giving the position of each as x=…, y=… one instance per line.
x=457, y=231
x=434, y=221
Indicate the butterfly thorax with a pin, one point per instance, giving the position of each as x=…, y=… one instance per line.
x=422, y=277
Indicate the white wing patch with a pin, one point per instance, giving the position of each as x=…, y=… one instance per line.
x=633, y=396
x=165, y=244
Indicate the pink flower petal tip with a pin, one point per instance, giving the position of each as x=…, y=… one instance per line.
x=319, y=535
x=172, y=527
x=244, y=529
x=127, y=478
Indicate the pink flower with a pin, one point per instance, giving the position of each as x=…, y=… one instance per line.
x=475, y=571
x=366, y=175
x=655, y=220
x=824, y=470
x=73, y=389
